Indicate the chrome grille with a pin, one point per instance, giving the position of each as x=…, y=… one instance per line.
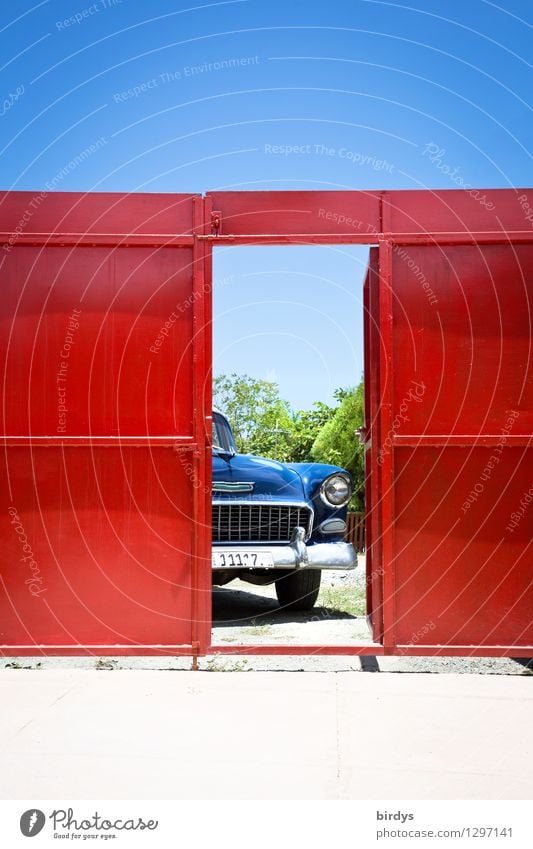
x=257, y=522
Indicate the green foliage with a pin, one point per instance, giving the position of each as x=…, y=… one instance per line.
x=261, y=421
x=272, y=438
x=307, y=425
x=338, y=441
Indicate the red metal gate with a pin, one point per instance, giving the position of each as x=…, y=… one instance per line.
x=105, y=544
x=106, y=494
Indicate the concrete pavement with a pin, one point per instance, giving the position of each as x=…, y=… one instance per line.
x=81, y=734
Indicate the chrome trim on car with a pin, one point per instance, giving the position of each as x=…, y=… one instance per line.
x=233, y=486
x=336, y=475
x=332, y=526
x=327, y=555
x=248, y=502
x=299, y=547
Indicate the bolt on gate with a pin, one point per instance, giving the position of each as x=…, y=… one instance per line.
x=106, y=416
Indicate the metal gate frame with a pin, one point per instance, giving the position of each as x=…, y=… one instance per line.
x=391, y=220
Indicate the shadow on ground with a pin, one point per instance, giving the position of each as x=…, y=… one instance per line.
x=525, y=661
x=243, y=615
x=233, y=607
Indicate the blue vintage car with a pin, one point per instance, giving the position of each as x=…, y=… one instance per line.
x=276, y=522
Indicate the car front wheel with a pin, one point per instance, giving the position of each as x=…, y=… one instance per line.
x=298, y=590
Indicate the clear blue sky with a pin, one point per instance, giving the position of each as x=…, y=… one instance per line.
x=377, y=82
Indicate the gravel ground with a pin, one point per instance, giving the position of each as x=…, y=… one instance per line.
x=245, y=614
x=233, y=663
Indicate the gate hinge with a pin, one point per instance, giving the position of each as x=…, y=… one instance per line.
x=216, y=223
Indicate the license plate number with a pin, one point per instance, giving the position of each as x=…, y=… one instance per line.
x=242, y=560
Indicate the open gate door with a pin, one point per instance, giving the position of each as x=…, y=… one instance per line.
x=105, y=489
x=456, y=440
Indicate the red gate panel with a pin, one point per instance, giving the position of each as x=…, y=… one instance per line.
x=104, y=478
x=462, y=418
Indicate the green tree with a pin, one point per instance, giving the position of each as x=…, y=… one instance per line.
x=262, y=422
x=306, y=427
x=338, y=440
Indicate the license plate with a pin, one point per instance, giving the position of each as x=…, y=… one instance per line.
x=242, y=559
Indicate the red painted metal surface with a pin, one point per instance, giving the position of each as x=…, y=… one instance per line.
x=461, y=357
x=104, y=531
x=106, y=497
x=449, y=421
x=372, y=347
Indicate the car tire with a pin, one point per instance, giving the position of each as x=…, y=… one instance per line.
x=298, y=590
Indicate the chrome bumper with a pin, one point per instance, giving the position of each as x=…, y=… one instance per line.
x=298, y=555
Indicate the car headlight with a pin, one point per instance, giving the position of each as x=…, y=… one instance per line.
x=336, y=490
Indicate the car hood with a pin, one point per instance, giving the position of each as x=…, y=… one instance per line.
x=269, y=478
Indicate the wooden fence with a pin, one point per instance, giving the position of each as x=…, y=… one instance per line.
x=355, y=530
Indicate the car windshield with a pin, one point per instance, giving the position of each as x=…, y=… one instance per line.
x=222, y=437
